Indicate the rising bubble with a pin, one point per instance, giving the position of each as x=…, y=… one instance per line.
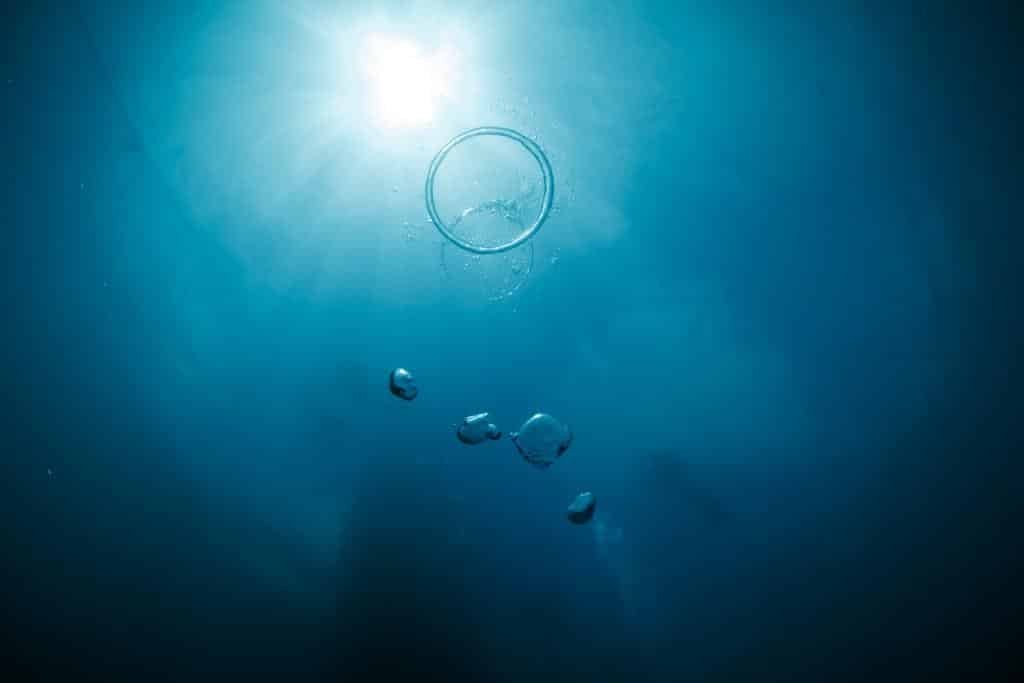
x=581, y=510
x=477, y=429
x=541, y=440
x=547, y=198
x=403, y=385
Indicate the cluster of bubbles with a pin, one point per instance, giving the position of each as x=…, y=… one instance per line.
x=540, y=441
x=504, y=265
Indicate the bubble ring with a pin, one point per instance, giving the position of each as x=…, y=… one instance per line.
x=535, y=151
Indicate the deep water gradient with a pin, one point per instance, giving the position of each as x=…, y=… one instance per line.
x=776, y=300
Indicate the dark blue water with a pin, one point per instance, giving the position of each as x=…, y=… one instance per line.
x=776, y=303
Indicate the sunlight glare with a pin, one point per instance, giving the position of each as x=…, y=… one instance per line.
x=407, y=84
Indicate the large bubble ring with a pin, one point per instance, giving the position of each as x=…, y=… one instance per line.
x=545, y=168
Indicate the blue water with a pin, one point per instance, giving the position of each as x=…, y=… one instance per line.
x=772, y=301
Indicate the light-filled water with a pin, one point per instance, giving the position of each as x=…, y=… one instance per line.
x=735, y=404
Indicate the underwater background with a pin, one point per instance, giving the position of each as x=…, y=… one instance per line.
x=775, y=301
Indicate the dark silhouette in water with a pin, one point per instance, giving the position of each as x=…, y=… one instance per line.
x=419, y=598
x=666, y=474
x=403, y=607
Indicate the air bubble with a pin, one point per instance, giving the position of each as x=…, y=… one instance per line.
x=581, y=510
x=541, y=440
x=476, y=429
x=403, y=385
x=545, y=205
x=410, y=232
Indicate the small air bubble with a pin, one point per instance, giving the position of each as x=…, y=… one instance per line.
x=581, y=510
x=402, y=384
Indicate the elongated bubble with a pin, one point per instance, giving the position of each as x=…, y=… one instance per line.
x=477, y=429
x=581, y=510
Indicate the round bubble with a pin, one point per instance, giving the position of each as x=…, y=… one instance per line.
x=581, y=510
x=477, y=429
x=548, y=179
x=498, y=275
x=541, y=440
x=403, y=385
